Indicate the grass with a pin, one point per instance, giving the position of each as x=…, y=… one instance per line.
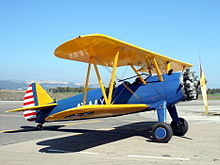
x=211, y=97
x=59, y=96
x=214, y=97
x=9, y=95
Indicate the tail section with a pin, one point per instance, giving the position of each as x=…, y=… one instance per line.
x=29, y=100
x=35, y=99
x=34, y=96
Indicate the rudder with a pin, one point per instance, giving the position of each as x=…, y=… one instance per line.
x=35, y=95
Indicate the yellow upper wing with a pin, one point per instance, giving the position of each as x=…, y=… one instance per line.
x=100, y=49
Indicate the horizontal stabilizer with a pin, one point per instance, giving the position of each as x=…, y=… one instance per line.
x=39, y=107
x=92, y=111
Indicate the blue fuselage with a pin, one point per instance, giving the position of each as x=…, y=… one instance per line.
x=153, y=94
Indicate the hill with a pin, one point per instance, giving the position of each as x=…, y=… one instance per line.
x=22, y=85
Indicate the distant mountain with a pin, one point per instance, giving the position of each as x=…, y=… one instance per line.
x=22, y=85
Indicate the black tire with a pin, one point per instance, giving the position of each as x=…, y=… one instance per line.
x=39, y=126
x=162, y=132
x=180, y=128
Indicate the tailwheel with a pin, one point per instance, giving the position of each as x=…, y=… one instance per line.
x=39, y=126
x=180, y=128
x=162, y=132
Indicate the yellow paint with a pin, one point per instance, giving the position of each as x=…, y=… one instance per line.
x=157, y=69
x=5, y=131
x=39, y=107
x=101, y=84
x=84, y=122
x=204, y=90
x=142, y=80
x=86, y=84
x=184, y=67
x=42, y=96
x=168, y=67
x=97, y=111
x=114, y=69
x=149, y=70
x=103, y=47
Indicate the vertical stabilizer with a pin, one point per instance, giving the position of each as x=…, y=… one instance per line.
x=35, y=95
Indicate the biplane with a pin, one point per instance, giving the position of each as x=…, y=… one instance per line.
x=160, y=82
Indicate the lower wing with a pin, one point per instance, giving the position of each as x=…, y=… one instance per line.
x=93, y=111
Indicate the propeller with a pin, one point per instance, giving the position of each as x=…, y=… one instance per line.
x=191, y=85
x=204, y=89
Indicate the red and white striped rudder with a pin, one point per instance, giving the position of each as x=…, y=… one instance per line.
x=28, y=101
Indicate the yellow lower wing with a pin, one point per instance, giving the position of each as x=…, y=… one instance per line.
x=39, y=107
x=92, y=111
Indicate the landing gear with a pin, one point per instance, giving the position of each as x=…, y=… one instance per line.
x=162, y=132
x=180, y=127
x=39, y=126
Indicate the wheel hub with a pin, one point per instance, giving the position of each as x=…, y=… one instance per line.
x=160, y=133
x=178, y=126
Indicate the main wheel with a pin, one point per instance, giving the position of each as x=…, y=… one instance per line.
x=180, y=128
x=162, y=132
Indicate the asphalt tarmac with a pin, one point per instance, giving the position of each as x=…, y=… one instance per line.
x=117, y=140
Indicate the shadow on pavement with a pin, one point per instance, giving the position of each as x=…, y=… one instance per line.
x=87, y=138
x=92, y=138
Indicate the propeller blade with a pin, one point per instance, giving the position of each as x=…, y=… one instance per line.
x=204, y=89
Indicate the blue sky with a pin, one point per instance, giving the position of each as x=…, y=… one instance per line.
x=31, y=30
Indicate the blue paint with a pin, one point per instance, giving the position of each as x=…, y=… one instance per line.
x=161, y=112
x=158, y=95
x=153, y=92
x=160, y=133
x=35, y=94
x=73, y=101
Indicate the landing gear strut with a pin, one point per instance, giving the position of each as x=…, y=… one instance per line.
x=179, y=125
x=162, y=132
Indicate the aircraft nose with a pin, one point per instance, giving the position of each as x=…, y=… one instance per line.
x=190, y=85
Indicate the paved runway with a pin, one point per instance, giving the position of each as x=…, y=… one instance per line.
x=119, y=140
